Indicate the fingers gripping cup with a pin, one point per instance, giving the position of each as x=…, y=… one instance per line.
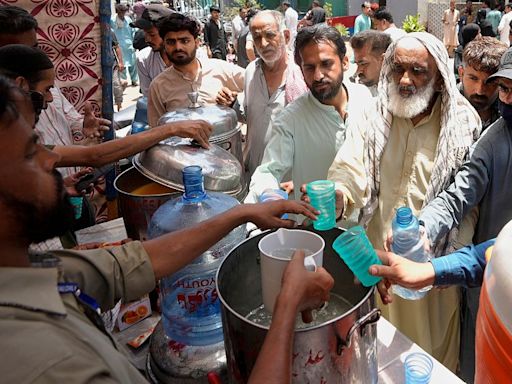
x=355, y=249
x=322, y=195
x=276, y=251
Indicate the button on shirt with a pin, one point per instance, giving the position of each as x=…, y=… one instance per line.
x=168, y=91
x=304, y=139
x=47, y=338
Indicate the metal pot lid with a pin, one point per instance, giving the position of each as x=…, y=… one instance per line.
x=164, y=162
x=223, y=119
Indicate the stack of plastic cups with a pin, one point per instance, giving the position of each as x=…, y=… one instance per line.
x=418, y=368
x=273, y=195
x=322, y=195
x=357, y=252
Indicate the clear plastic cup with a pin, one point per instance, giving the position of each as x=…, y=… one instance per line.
x=355, y=249
x=418, y=368
x=322, y=195
x=77, y=202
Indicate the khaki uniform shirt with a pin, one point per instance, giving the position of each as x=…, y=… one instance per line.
x=47, y=338
x=168, y=91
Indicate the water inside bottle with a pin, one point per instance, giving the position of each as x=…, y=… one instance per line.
x=335, y=307
x=287, y=253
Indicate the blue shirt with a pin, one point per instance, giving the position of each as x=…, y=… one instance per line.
x=464, y=267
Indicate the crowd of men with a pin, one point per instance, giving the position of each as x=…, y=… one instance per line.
x=403, y=133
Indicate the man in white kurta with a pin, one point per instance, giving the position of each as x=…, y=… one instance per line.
x=414, y=143
x=307, y=134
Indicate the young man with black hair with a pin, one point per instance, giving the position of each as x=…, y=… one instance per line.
x=169, y=90
x=215, y=36
x=369, y=48
x=152, y=60
x=384, y=22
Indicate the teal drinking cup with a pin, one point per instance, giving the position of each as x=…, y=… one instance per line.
x=357, y=252
x=322, y=195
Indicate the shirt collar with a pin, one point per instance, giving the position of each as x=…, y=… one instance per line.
x=31, y=288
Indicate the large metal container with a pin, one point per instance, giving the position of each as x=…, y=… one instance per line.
x=165, y=161
x=137, y=209
x=342, y=350
x=226, y=132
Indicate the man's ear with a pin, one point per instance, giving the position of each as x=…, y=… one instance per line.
x=461, y=71
x=345, y=64
x=22, y=83
x=287, y=36
x=439, y=84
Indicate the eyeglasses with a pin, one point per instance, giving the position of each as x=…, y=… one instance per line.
x=38, y=102
x=504, y=89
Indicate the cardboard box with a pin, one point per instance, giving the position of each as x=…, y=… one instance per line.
x=133, y=312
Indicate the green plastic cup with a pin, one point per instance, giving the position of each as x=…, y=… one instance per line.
x=355, y=249
x=77, y=202
x=322, y=195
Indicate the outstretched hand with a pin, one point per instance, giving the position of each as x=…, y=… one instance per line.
x=401, y=271
x=308, y=290
x=94, y=127
x=226, y=97
x=268, y=215
x=198, y=130
x=71, y=180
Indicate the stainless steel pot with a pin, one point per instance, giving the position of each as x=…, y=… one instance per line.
x=165, y=161
x=342, y=350
x=226, y=132
x=137, y=209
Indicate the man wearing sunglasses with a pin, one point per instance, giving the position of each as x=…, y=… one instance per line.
x=484, y=182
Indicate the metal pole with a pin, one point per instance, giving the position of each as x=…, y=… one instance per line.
x=107, y=62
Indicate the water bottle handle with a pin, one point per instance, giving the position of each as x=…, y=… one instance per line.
x=310, y=264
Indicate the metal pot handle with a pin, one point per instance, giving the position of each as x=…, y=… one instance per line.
x=226, y=145
x=370, y=318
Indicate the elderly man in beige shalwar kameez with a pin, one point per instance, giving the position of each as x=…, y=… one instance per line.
x=412, y=146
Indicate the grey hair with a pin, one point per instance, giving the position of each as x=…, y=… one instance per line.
x=278, y=18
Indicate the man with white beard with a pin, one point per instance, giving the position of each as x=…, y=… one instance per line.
x=271, y=82
x=414, y=143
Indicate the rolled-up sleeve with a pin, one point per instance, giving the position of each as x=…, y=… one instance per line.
x=109, y=275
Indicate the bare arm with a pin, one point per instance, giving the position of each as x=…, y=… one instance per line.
x=114, y=150
x=173, y=251
x=301, y=291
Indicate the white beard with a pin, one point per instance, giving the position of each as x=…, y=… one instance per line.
x=409, y=107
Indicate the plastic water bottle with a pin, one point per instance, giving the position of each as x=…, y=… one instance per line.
x=407, y=243
x=190, y=304
x=270, y=194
